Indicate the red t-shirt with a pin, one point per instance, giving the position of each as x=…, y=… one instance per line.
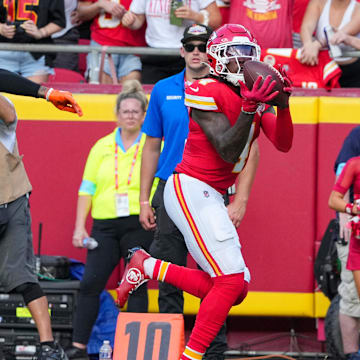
x=324, y=75
x=350, y=176
x=225, y=12
x=298, y=14
x=107, y=30
x=200, y=159
x=270, y=21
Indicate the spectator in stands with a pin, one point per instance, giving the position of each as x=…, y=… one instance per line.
x=341, y=37
x=68, y=36
x=17, y=260
x=110, y=187
x=224, y=7
x=107, y=30
x=344, y=13
x=298, y=13
x=349, y=311
x=18, y=24
x=269, y=21
x=162, y=32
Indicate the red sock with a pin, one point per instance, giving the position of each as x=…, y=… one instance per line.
x=214, y=309
x=193, y=281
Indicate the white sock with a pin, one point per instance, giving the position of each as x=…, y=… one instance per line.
x=149, y=265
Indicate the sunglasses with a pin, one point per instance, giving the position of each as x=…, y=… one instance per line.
x=191, y=47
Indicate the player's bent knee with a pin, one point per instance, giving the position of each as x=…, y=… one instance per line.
x=243, y=294
x=232, y=287
x=29, y=291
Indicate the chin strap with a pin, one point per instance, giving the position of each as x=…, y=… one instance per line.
x=235, y=78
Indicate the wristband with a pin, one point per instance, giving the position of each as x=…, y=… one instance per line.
x=205, y=15
x=249, y=106
x=144, y=203
x=47, y=95
x=248, y=112
x=348, y=208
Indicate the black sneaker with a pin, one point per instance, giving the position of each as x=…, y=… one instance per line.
x=47, y=352
x=75, y=353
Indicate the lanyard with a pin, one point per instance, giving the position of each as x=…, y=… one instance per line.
x=131, y=168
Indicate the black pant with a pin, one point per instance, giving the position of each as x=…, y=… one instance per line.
x=169, y=245
x=115, y=237
x=350, y=76
x=67, y=60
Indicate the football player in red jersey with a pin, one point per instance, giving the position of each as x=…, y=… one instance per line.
x=225, y=119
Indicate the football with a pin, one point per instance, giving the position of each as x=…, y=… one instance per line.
x=252, y=69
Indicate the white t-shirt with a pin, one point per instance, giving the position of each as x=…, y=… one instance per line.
x=324, y=20
x=159, y=32
x=8, y=133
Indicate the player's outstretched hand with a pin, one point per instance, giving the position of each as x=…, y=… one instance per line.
x=63, y=100
x=261, y=92
x=287, y=81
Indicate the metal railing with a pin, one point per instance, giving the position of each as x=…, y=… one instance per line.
x=96, y=53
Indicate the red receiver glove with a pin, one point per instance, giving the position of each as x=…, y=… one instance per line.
x=287, y=81
x=63, y=100
x=258, y=94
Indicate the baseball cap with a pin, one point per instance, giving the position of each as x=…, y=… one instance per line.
x=196, y=32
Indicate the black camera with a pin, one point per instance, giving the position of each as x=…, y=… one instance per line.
x=18, y=28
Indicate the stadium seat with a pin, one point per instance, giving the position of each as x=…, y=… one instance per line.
x=65, y=75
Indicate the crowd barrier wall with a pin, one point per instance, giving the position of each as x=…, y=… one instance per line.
x=287, y=212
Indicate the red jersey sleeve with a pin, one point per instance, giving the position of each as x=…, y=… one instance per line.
x=206, y=94
x=348, y=176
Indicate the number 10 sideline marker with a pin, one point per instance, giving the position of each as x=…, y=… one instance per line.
x=143, y=336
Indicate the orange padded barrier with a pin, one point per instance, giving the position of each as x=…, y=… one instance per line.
x=149, y=336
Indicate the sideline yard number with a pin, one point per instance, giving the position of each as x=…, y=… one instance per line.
x=149, y=336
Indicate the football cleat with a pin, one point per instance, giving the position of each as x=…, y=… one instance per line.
x=134, y=275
